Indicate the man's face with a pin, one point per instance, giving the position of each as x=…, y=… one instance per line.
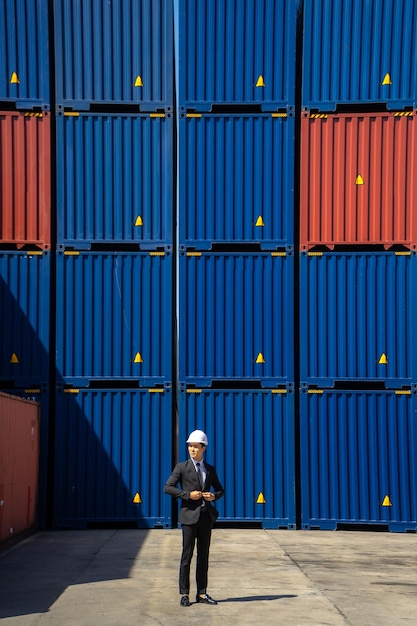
x=196, y=451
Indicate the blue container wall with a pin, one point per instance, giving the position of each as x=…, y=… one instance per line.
x=357, y=318
x=235, y=52
x=107, y=450
x=359, y=52
x=114, y=317
x=24, y=53
x=24, y=318
x=358, y=459
x=113, y=52
x=236, y=180
x=236, y=318
x=114, y=179
x=251, y=443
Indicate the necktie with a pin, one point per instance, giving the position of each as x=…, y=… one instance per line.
x=200, y=477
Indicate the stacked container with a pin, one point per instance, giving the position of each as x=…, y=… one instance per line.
x=114, y=261
x=358, y=264
x=235, y=104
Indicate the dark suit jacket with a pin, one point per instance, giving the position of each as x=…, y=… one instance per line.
x=185, y=474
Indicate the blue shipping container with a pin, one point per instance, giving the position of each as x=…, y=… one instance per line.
x=357, y=318
x=236, y=180
x=114, y=317
x=118, y=52
x=108, y=461
x=24, y=318
x=232, y=52
x=247, y=432
x=236, y=318
x=24, y=53
x=358, y=459
x=359, y=52
x=114, y=179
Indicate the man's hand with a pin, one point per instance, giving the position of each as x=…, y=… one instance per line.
x=207, y=495
x=196, y=495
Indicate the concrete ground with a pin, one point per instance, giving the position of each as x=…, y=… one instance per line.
x=293, y=578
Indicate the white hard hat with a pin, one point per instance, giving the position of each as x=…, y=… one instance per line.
x=198, y=436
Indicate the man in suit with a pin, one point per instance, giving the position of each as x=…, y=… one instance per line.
x=197, y=515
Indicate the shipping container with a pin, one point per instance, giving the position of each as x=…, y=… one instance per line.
x=24, y=56
x=235, y=53
x=24, y=318
x=108, y=462
x=236, y=180
x=115, y=52
x=359, y=52
x=357, y=183
x=114, y=179
x=25, y=179
x=114, y=317
x=247, y=432
x=236, y=318
x=19, y=457
x=357, y=318
x=358, y=459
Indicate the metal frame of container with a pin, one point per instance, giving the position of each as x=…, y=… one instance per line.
x=24, y=54
x=113, y=53
x=235, y=53
x=114, y=317
x=359, y=52
x=124, y=194
x=357, y=318
x=236, y=318
x=357, y=180
x=25, y=179
x=236, y=180
x=24, y=317
x=108, y=461
x=358, y=459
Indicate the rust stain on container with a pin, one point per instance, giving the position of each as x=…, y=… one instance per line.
x=358, y=180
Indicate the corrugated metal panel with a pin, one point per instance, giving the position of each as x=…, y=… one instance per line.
x=358, y=52
x=19, y=456
x=358, y=459
x=113, y=52
x=114, y=179
x=236, y=318
x=114, y=316
x=24, y=53
x=358, y=318
x=236, y=52
x=247, y=432
x=107, y=451
x=24, y=317
x=25, y=179
x=236, y=180
x=357, y=179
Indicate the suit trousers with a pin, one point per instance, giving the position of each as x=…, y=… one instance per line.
x=201, y=531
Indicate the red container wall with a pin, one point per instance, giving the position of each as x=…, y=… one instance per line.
x=19, y=457
x=358, y=180
x=25, y=179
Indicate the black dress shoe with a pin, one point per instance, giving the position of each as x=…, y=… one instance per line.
x=185, y=601
x=206, y=599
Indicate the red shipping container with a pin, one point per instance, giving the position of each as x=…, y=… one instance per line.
x=25, y=179
x=358, y=182
x=19, y=460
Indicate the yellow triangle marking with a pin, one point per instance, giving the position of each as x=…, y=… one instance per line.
x=14, y=79
x=138, y=81
x=359, y=180
x=387, y=79
x=139, y=221
x=260, y=82
x=138, y=358
x=259, y=221
x=386, y=501
x=137, y=499
x=260, y=358
x=13, y=358
x=261, y=499
x=383, y=359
